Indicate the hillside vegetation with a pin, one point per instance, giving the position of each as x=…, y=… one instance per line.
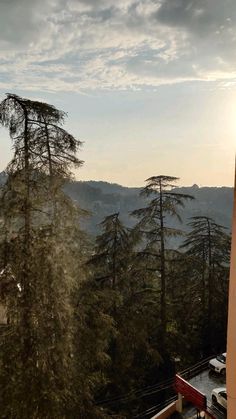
x=103, y=198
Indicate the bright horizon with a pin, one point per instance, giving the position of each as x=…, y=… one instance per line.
x=149, y=86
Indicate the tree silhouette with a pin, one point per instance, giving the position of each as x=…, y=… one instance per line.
x=37, y=368
x=153, y=227
x=208, y=242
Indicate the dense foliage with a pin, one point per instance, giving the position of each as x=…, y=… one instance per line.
x=94, y=325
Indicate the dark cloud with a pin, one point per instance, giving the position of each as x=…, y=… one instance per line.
x=102, y=15
x=20, y=21
x=91, y=2
x=184, y=13
x=197, y=16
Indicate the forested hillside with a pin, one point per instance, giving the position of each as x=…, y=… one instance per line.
x=102, y=199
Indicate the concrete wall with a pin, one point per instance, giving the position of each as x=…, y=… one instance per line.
x=166, y=412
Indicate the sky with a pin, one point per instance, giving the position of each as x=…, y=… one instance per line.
x=149, y=85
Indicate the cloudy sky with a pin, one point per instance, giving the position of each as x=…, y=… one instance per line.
x=149, y=85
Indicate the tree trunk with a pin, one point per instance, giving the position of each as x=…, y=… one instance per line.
x=210, y=287
x=163, y=270
x=26, y=280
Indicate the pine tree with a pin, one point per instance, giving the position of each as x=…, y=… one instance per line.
x=132, y=345
x=153, y=227
x=209, y=243
x=37, y=360
x=111, y=250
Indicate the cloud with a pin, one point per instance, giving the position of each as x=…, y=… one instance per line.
x=20, y=22
x=197, y=16
x=190, y=14
x=80, y=45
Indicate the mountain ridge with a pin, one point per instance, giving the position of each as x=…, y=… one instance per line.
x=103, y=198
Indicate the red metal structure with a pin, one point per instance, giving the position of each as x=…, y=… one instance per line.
x=190, y=393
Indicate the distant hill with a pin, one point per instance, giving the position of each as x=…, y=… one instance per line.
x=103, y=198
x=107, y=187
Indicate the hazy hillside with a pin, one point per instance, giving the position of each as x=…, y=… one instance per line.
x=103, y=198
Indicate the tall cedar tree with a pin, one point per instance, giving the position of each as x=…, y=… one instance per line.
x=133, y=309
x=111, y=250
x=152, y=226
x=208, y=242
x=37, y=360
